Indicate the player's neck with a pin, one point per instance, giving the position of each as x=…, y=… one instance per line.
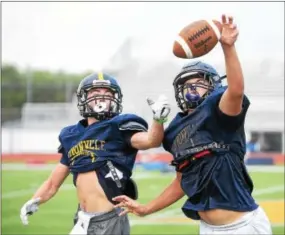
x=90, y=121
x=190, y=110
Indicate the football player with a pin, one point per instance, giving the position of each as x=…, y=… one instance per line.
x=207, y=141
x=100, y=152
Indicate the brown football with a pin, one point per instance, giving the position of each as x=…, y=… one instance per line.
x=197, y=39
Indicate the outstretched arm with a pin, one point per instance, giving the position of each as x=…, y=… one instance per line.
x=49, y=188
x=169, y=196
x=150, y=139
x=154, y=136
x=231, y=101
x=45, y=192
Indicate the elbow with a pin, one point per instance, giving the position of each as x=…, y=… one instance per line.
x=179, y=191
x=152, y=145
x=155, y=143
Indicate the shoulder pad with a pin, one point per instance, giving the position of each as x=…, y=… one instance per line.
x=64, y=131
x=60, y=149
x=69, y=130
x=132, y=125
x=132, y=122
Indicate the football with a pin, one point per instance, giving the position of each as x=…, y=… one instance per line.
x=197, y=39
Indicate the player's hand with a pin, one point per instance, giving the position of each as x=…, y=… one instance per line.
x=160, y=108
x=29, y=208
x=230, y=32
x=129, y=205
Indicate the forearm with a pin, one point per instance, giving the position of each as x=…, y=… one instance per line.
x=233, y=70
x=150, y=139
x=155, y=134
x=46, y=191
x=169, y=196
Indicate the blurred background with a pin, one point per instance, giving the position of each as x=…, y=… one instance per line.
x=48, y=47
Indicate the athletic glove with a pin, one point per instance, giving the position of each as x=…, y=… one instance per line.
x=160, y=108
x=29, y=208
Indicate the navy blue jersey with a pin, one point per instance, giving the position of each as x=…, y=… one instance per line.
x=220, y=179
x=88, y=148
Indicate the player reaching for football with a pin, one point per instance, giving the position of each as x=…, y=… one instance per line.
x=207, y=141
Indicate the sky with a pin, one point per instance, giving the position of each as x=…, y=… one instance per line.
x=76, y=36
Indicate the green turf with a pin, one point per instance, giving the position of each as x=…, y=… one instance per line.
x=178, y=229
x=56, y=216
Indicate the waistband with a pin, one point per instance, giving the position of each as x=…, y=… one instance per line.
x=180, y=164
x=243, y=221
x=99, y=216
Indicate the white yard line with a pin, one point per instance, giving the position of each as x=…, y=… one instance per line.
x=269, y=190
x=165, y=214
x=269, y=169
x=37, y=167
x=23, y=192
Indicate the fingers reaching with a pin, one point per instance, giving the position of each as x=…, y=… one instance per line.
x=121, y=198
x=224, y=20
x=227, y=19
x=231, y=19
x=124, y=212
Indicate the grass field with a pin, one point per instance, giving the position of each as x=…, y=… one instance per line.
x=56, y=216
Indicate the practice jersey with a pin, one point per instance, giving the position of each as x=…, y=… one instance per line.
x=218, y=180
x=88, y=148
